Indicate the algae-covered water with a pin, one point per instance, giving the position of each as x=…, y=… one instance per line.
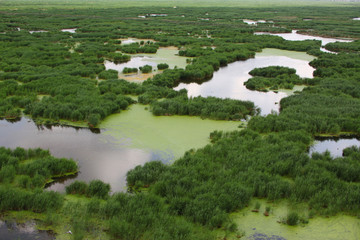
x=257, y=226
x=128, y=139
x=167, y=137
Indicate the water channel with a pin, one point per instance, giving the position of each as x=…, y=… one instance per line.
x=228, y=82
x=135, y=136
x=294, y=36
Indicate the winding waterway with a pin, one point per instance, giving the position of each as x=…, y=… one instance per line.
x=135, y=136
x=294, y=36
x=228, y=82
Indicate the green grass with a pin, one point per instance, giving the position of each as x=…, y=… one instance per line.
x=46, y=4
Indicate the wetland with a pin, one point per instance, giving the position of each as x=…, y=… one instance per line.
x=195, y=147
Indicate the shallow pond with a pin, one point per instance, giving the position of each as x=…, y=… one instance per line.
x=126, y=140
x=126, y=41
x=259, y=227
x=253, y=22
x=228, y=82
x=27, y=231
x=294, y=36
x=163, y=55
x=334, y=145
x=39, y=31
x=70, y=30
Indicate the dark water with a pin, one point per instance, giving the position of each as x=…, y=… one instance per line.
x=10, y=230
x=99, y=156
x=334, y=145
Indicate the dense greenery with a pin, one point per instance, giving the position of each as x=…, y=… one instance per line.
x=273, y=77
x=129, y=70
x=205, y=184
x=210, y=107
x=96, y=188
x=32, y=168
x=22, y=175
x=60, y=75
x=149, y=47
x=344, y=47
x=53, y=74
x=146, y=69
x=162, y=66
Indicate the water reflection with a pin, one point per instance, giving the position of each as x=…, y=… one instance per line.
x=294, y=36
x=97, y=154
x=253, y=22
x=70, y=30
x=334, y=145
x=39, y=31
x=26, y=231
x=135, y=62
x=126, y=41
x=167, y=55
x=228, y=82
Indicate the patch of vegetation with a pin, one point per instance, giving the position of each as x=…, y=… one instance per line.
x=129, y=70
x=146, y=69
x=274, y=77
x=193, y=196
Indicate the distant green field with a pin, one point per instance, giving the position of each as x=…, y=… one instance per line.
x=16, y=4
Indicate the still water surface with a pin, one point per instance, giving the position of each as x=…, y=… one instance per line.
x=294, y=36
x=167, y=55
x=333, y=145
x=228, y=82
x=135, y=136
x=27, y=231
x=126, y=140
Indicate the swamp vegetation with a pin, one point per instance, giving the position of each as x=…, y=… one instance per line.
x=54, y=75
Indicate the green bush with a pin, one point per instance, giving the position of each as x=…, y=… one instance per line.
x=147, y=174
x=292, y=218
x=98, y=189
x=162, y=66
x=77, y=187
x=146, y=69
x=7, y=174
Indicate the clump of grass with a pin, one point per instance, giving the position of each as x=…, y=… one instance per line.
x=292, y=219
